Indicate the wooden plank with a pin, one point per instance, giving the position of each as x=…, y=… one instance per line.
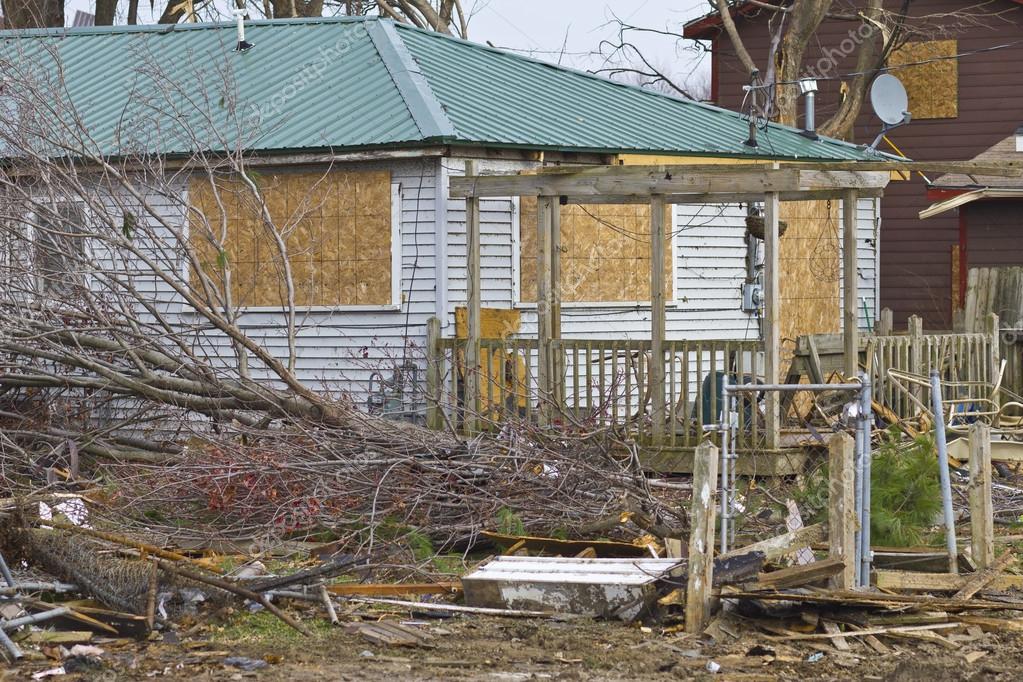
x=701, y=539
x=643, y=181
x=869, y=631
x=772, y=319
x=797, y=576
x=982, y=522
x=657, y=320
x=850, y=278
x=783, y=545
x=760, y=464
x=393, y=590
x=983, y=578
x=842, y=518
x=543, y=303
x=434, y=375
x=912, y=581
x=838, y=640
x=474, y=299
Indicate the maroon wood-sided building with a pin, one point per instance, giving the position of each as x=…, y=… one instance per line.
x=962, y=107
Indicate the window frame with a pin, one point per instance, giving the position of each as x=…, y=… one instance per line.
x=517, y=301
x=393, y=305
x=41, y=295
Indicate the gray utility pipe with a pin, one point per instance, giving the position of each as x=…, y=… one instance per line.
x=946, y=483
x=866, y=417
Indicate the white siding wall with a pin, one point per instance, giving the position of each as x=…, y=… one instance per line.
x=339, y=350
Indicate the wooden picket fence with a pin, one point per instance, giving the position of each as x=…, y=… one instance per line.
x=598, y=383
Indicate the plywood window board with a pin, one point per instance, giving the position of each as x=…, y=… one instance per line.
x=810, y=270
x=336, y=228
x=605, y=252
x=933, y=87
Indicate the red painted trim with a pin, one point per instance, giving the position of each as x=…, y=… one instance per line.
x=964, y=260
x=708, y=27
x=714, y=85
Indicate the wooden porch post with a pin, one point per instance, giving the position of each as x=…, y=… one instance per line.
x=850, y=307
x=656, y=374
x=545, y=217
x=554, y=287
x=473, y=298
x=772, y=304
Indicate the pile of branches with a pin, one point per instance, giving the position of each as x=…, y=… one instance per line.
x=317, y=482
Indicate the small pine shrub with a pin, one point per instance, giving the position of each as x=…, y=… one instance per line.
x=509, y=523
x=905, y=492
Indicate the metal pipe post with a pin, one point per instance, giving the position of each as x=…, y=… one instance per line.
x=866, y=424
x=725, y=501
x=733, y=456
x=858, y=497
x=946, y=483
x=35, y=618
x=6, y=572
x=11, y=647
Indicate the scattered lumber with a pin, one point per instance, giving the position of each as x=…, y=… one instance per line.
x=911, y=581
x=797, y=576
x=863, y=633
x=783, y=545
x=984, y=578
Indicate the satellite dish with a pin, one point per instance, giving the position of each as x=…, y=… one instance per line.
x=889, y=99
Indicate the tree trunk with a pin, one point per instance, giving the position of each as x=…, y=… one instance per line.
x=105, y=11
x=33, y=13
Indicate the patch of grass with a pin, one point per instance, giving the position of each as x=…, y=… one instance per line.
x=263, y=626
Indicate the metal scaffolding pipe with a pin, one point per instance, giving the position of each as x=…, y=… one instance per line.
x=35, y=618
x=866, y=415
x=793, y=388
x=6, y=572
x=11, y=647
x=726, y=501
x=946, y=483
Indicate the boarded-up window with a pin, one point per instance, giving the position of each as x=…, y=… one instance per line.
x=336, y=227
x=605, y=252
x=933, y=87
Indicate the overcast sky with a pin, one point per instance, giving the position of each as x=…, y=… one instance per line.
x=565, y=31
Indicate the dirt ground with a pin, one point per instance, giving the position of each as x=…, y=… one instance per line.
x=507, y=650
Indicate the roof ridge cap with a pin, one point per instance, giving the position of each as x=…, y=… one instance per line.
x=412, y=83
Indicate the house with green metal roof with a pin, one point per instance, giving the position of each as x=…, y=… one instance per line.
x=346, y=132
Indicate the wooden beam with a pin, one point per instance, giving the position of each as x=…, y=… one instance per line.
x=434, y=374
x=557, y=361
x=783, y=545
x=658, y=408
x=797, y=576
x=980, y=580
x=842, y=521
x=1008, y=169
x=642, y=181
x=912, y=581
x=772, y=318
x=982, y=520
x=721, y=197
x=473, y=304
x=850, y=281
x=701, y=539
x=544, y=221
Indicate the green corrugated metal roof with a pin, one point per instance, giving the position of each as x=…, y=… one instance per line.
x=357, y=83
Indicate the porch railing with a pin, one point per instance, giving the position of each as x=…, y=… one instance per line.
x=597, y=383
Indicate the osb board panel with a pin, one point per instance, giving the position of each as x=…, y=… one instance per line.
x=336, y=227
x=503, y=377
x=810, y=271
x=495, y=323
x=605, y=252
x=933, y=88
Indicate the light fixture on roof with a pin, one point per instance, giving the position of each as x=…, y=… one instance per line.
x=239, y=15
x=808, y=88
